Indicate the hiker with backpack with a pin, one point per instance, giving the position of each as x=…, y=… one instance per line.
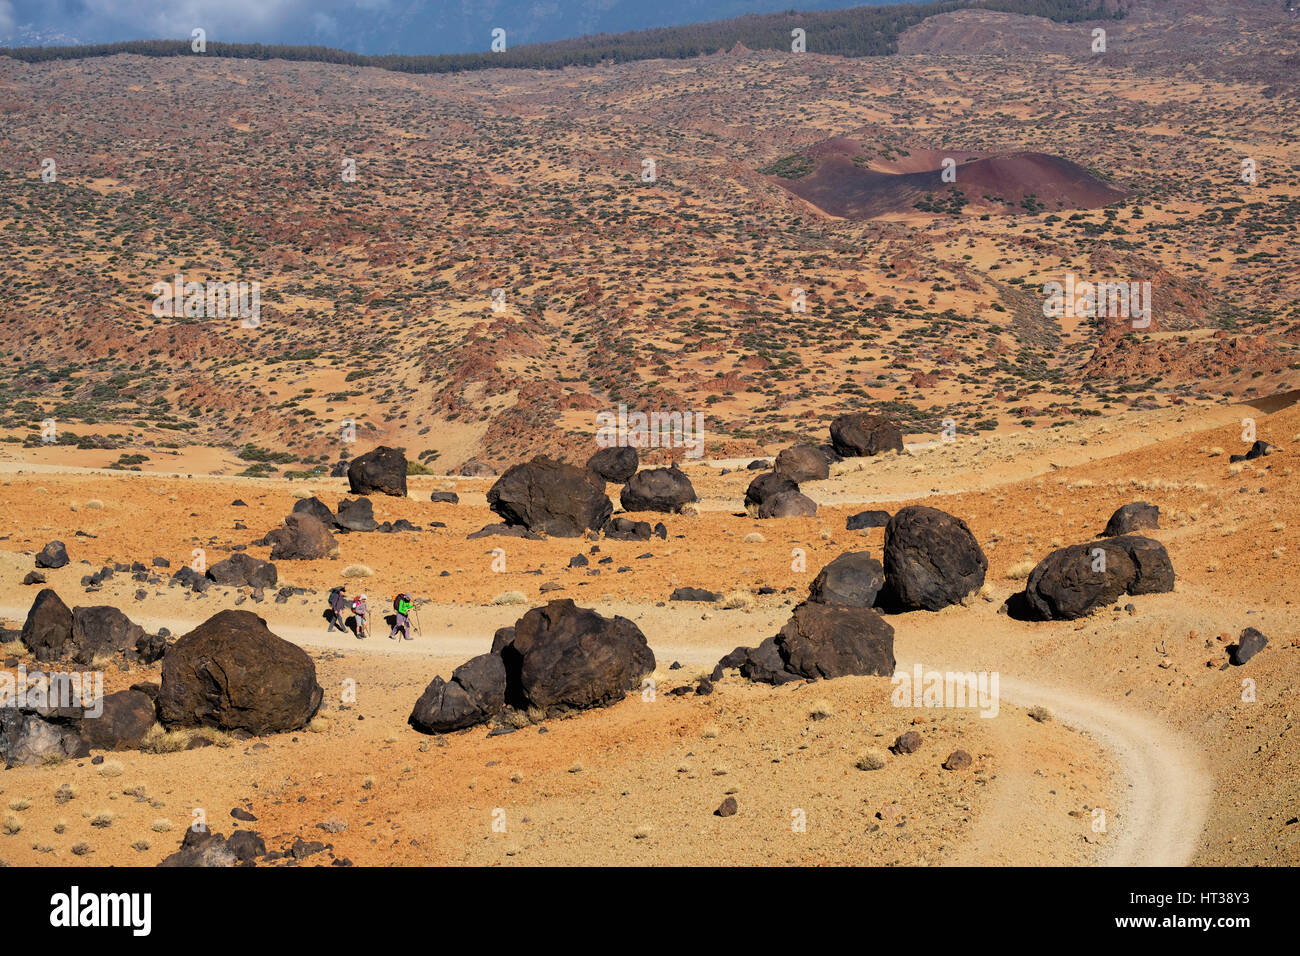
x=338, y=604
x=402, y=619
x=363, y=616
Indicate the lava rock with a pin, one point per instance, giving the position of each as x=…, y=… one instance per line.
x=233, y=673
x=854, y=579
x=617, y=463
x=861, y=435
x=551, y=497
x=657, y=489
x=931, y=559
x=381, y=470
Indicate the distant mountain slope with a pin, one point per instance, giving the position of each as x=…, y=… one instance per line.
x=858, y=31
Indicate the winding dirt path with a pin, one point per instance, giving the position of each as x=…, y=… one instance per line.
x=1168, y=788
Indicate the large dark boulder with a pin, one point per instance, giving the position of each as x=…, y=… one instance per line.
x=1155, y=572
x=1137, y=516
x=1071, y=582
x=854, y=579
x=356, y=514
x=231, y=672
x=243, y=570
x=477, y=469
x=617, y=463
x=33, y=737
x=835, y=640
x=122, y=724
x=382, y=470
x=819, y=641
x=768, y=485
x=931, y=559
x=551, y=497
x=788, y=504
x=802, y=463
x=476, y=692
x=564, y=657
x=657, y=489
x=48, y=627
x=762, y=664
x=316, y=508
x=102, y=631
x=860, y=435
x=303, y=538
x=54, y=556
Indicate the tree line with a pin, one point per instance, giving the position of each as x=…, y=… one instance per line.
x=858, y=31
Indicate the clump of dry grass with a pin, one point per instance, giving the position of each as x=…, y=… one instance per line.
x=13, y=824
x=873, y=759
x=754, y=538
x=1040, y=714
x=161, y=825
x=821, y=709
x=159, y=740
x=110, y=768
x=510, y=597
x=1021, y=569
x=737, y=600
x=358, y=571
x=19, y=803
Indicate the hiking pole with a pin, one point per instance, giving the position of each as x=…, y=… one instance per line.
x=419, y=628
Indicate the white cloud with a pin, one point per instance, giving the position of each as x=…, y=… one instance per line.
x=6, y=18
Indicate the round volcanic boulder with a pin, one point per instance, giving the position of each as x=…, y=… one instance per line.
x=835, y=640
x=476, y=692
x=767, y=485
x=1137, y=516
x=243, y=570
x=802, y=463
x=122, y=722
x=657, y=489
x=102, y=631
x=380, y=470
x=316, y=508
x=931, y=558
x=303, y=538
x=854, y=579
x=860, y=435
x=53, y=556
x=551, y=497
x=617, y=463
x=48, y=627
x=356, y=514
x=231, y=672
x=477, y=469
x=788, y=504
x=564, y=657
x=1073, y=581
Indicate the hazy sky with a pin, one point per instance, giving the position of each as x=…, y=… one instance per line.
x=366, y=26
